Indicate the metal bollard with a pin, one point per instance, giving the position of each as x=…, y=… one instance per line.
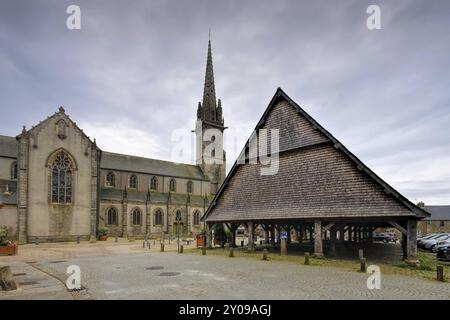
x=307, y=258
x=362, y=267
x=440, y=273
x=231, y=253
x=162, y=247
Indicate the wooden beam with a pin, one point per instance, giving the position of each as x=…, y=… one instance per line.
x=399, y=227
x=328, y=226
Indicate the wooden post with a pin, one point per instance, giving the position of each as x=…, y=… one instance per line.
x=162, y=247
x=209, y=239
x=411, y=242
x=341, y=234
x=440, y=273
x=251, y=244
x=362, y=267
x=7, y=282
x=333, y=233
x=306, y=258
x=231, y=253
x=264, y=257
x=283, y=247
x=318, y=245
x=272, y=235
x=181, y=249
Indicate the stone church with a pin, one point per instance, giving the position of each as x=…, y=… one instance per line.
x=56, y=184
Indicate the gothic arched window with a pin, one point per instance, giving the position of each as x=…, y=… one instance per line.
x=158, y=217
x=136, y=216
x=154, y=183
x=196, y=219
x=133, y=181
x=61, y=181
x=14, y=170
x=172, y=185
x=111, y=216
x=189, y=187
x=110, y=179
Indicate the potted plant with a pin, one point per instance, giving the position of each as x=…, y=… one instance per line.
x=103, y=234
x=7, y=245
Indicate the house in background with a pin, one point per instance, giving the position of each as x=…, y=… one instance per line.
x=439, y=221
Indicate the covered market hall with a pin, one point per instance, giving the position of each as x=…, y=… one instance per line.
x=322, y=192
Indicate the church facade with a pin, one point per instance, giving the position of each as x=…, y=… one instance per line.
x=56, y=184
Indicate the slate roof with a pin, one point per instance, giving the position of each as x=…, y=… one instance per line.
x=123, y=162
x=155, y=197
x=320, y=193
x=438, y=212
x=8, y=147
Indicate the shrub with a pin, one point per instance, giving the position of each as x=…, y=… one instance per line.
x=5, y=235
x=103, y=231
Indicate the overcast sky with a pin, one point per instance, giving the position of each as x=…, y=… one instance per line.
x=133, y=75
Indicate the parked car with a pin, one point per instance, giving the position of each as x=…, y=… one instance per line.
x=441, y=242
x=384, y=236
x=420, y=243
x=428, y=236
x=431, y=243
x=443, y=252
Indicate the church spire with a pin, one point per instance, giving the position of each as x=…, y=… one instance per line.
x=208, y=110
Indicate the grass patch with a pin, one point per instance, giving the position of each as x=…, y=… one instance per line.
x=426, y=270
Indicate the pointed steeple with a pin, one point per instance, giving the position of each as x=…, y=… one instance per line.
x=208, y=109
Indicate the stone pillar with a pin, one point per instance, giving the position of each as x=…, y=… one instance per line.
x=22, y=186
x=411, y=241
x=318, y=247
x=251, y=240
x=333, y=233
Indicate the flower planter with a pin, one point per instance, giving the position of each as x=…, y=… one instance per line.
x=103, y=238
x=10, y=250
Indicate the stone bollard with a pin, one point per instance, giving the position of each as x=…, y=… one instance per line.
x=204, y=251
x=78, y=239
x=362, y=267
x=264, y=257
x=307, y=258
x=162, y=247
x=242, y=243
x=231, y=253
x=440, y=273
x=7, y=282
x=181, y=249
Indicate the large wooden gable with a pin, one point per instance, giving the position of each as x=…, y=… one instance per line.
x=317, y=178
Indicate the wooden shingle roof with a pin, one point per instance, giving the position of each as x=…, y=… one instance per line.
x=318, y=177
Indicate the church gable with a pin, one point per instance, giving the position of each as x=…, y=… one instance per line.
x=317, y=177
